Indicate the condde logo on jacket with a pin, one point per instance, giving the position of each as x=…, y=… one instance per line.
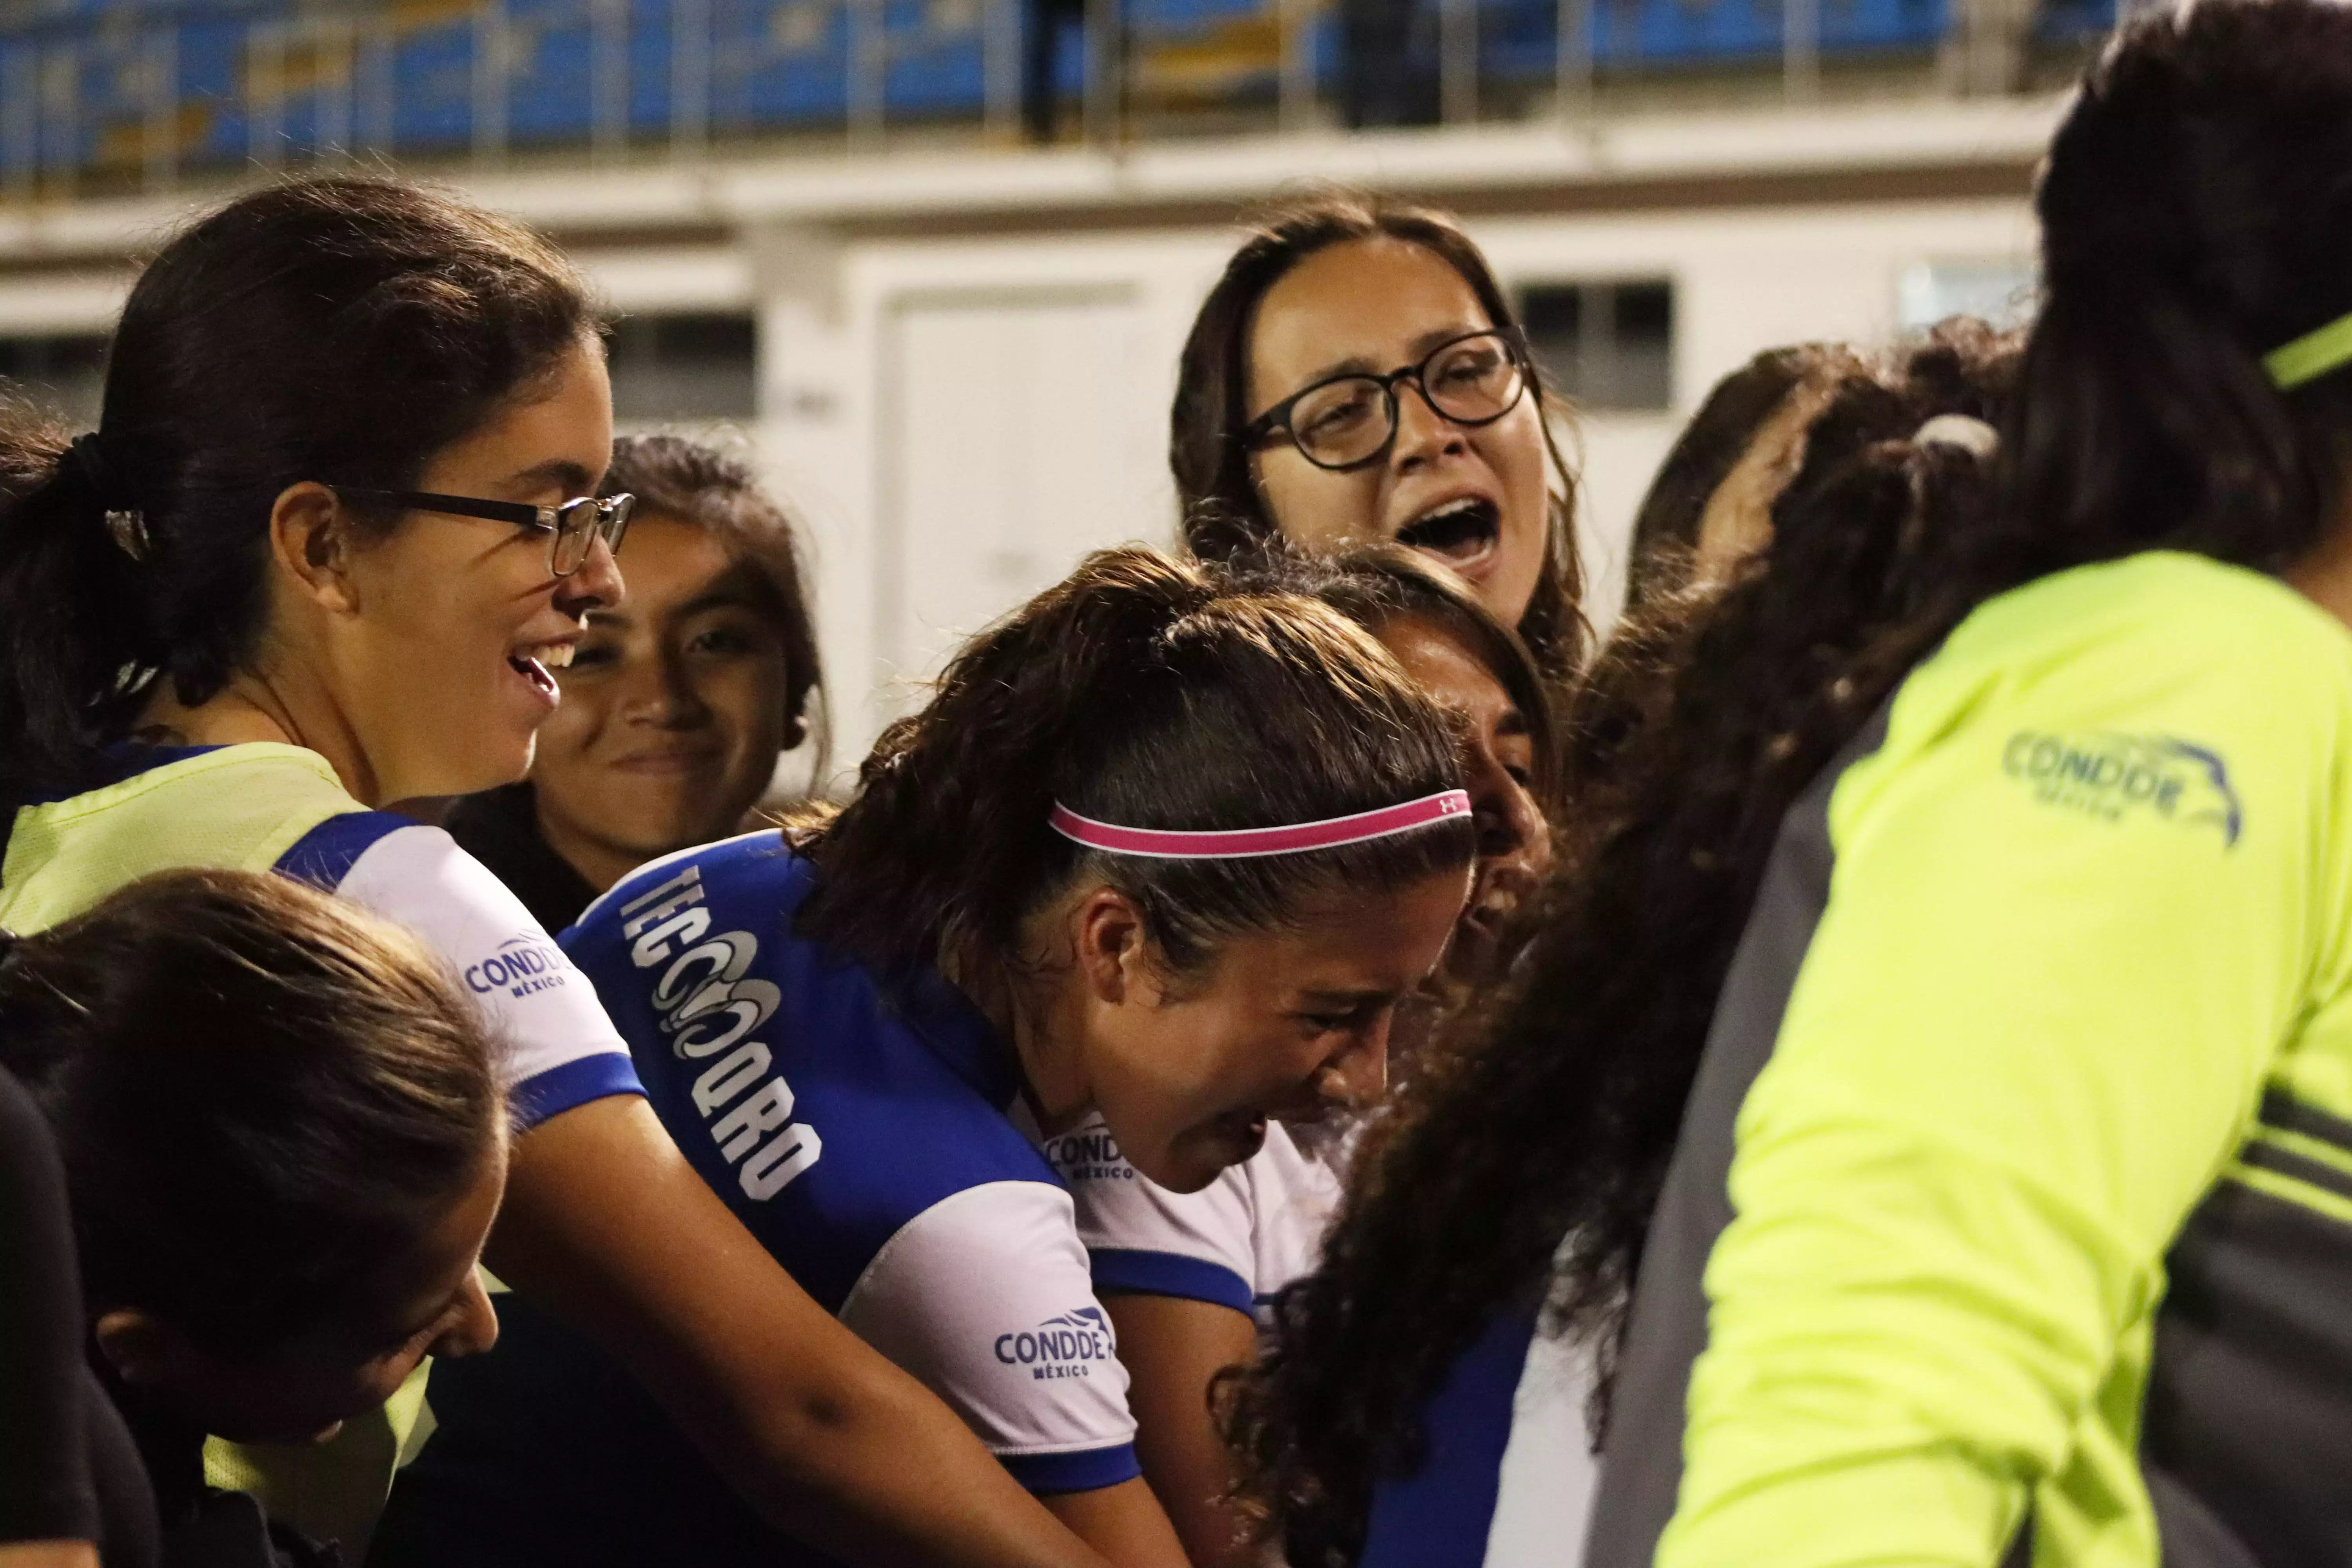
x=2117, y=778
x=1069, y=1345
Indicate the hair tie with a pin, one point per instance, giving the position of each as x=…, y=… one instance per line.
x=1247, y=843
x=84, y=465
x=1966, y=431
x=2310, y=357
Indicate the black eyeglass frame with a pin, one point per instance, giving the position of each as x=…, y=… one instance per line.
x=1278, y=417
x=609, y=516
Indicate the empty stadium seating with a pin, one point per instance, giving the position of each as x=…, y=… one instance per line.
x=137, y=89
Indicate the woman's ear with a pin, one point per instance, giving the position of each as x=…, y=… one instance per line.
x=310, y=540
x=1113, y=949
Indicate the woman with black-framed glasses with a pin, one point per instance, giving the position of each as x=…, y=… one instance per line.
x=265, y=600
x=1345, y=422
x=1357, y=377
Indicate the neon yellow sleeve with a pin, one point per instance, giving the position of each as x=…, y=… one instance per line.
x=2030, y=1028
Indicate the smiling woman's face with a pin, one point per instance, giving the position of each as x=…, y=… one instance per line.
x=444, y=672
x=1474, y=498
x=1285, y=1024
x=673, y=709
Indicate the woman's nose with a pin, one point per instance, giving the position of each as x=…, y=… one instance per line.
x=596, y=585
x=1358, y=1075
x=1511, y=827
x=1421, y=431
x=474, y=1326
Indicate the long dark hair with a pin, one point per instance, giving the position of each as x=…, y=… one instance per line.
x=2193, y=219
x=1151, y=693
x=695, y=483
x=261, y=1097
x=1223, y=514
x=338, y=330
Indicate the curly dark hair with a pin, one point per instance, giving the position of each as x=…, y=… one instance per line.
x=1150, y=692
x=1667, y=524
x=2194, y=217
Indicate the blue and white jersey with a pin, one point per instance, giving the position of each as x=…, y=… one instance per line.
x=1508, y=1478
x=865, y=1133
x=561, y=1051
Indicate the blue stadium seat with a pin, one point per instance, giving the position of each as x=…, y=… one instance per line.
x=775, y=65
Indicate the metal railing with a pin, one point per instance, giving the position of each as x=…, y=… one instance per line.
x=132, y=96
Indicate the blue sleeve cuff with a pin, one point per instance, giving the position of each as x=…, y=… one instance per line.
x=1089, y=1470
x=1123, y=1271
x=324, y=856
x=576, y=1083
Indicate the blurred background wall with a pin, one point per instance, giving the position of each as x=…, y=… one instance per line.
x=943, y=303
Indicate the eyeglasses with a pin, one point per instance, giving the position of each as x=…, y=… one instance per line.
x=1349, y=420
x=571, y=525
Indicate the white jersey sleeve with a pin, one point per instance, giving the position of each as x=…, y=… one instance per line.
x=561, y=1051
x=1235, y=1243
x=985, y=1296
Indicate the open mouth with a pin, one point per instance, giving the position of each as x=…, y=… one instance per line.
x=1458, y=530
x=538, y=664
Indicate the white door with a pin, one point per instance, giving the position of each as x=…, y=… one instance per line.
x=1020, y=430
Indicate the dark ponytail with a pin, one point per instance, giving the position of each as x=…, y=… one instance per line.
x=69, y=616
x=342, y=330
x=2195, y=216
x=1152, y=693
x=261, y=1096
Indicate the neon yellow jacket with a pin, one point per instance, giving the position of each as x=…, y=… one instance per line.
x=2012, y=1217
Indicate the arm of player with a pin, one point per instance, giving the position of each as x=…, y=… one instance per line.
x=1124, y=1522
x=607, y=1223
x=1174, y=1348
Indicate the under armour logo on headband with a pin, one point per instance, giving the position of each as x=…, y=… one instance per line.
x=1245, y=842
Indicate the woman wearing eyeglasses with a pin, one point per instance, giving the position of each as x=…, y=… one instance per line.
x=1357, y=377
x=323, y=555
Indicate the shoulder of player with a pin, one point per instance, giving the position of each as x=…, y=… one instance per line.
x=1007, y=1225
x=2165, y=617
x=748, y=859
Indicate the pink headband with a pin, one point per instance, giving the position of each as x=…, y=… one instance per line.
x=1242, y=843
